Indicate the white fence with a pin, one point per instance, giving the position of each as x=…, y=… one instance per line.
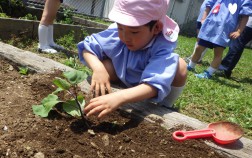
x=184, y=12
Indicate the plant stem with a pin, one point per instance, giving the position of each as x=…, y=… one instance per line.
x=79, y=105
x=82, y=115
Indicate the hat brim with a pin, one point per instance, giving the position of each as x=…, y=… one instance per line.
x=126, y=19
x=170, y=29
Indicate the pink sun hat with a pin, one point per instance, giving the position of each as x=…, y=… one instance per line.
x=140, y=12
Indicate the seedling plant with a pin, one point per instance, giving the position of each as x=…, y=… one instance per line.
x=23, y=70
x=69, y=84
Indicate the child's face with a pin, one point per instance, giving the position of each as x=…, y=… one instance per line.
x=136, y=38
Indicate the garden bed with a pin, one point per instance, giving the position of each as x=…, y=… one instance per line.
x=26, y=135
x=121, y=134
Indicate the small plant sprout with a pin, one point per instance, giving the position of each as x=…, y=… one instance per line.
x=74, y=106
x=23, y=70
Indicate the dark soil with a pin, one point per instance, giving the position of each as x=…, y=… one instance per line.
x=120, y=134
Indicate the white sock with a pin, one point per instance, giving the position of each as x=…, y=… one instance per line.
x=195, y=45
x=211, y=70
x=192, y=64
x=50, y=35
x=42, y=35
x=203, y=54
x=172, y=96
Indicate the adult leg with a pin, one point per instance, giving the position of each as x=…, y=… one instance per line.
x=235, y=50
x=44, y=32
x=50, y=12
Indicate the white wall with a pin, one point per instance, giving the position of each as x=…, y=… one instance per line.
x=181, y=11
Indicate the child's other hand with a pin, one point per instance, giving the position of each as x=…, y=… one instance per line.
x=103, y=105
x=235, y=35
x=100, y=83
x=202, y=21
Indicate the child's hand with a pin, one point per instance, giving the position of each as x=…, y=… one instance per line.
x=103, y=105
x=202, y=21
x=235, y=35
x=100, y=83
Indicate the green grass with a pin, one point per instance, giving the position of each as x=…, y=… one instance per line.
x=219, y=98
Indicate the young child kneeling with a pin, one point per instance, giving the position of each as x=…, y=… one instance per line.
x=137, y=50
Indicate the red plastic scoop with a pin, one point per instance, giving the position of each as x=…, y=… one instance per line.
x=222, y=133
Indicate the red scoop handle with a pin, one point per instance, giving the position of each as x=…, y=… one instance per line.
x=183, y=135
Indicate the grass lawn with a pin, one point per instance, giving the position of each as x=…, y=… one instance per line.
x=218, y=98
x=207, y=100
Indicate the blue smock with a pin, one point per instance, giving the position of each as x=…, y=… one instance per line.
x=218, y=26
x=156, y=64
x=202, y=9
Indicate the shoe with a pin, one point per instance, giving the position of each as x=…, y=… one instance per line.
x=221, y=67
x=189, y=68
x=227, y=73
x=204, y=75
x=55, y=46
x=223, y=73
x=168, y=106
x=200, y=62
x=47, y=49
x=165, y=103
x=187, y=59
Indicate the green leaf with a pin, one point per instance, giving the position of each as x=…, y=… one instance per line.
x=47, y=104
x=71, y=108
x=82, y=101
x=61, y=83
x=40, y=110
x=75, y=76
x=57, y=90
x=23, y=70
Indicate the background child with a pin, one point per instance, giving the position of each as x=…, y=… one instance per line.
x=201, y=12
x=138, y=51
x=45, y=29
x=236, y=49
x=220, y=24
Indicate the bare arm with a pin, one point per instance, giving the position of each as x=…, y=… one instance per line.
x=105, y=104
x=138, y=93
x=242, y=24
x=206, y=12
x=100, y=78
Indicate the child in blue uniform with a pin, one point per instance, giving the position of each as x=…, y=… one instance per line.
x=202, y=10
x=235, y=50
x=223, y=20
x=139, y=51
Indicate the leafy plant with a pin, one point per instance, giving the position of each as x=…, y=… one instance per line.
x=74, y=62
x=29, y=17
x=68, y=41
x=13, y=8
x=3, y=15
x=74, y=106
x=68, y=13
x=23, y=70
